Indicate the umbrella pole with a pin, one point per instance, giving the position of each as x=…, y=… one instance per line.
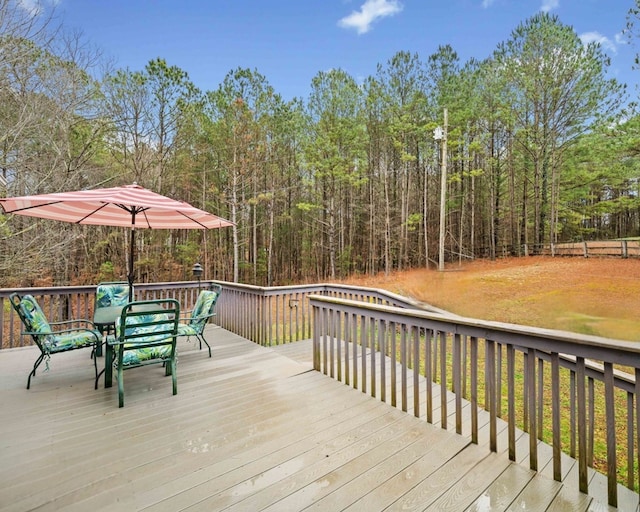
x=131, y=254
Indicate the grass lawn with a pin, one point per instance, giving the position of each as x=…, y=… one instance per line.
x=599, y=296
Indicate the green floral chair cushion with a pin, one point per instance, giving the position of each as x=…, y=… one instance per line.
x=112, y=294
x=144, y=336
x=203, y=310
x=52, y=338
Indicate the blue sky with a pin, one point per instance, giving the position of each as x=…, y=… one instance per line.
x=290, y=41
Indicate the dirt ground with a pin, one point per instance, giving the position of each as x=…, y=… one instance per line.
x=599, y=296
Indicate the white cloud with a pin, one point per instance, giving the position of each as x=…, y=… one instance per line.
x=369, y=12
x=549, y=5
x=621, y=38
x=487, y=3
x=597, y=37
x=35, y=7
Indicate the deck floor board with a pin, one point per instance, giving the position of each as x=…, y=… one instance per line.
x=253, y=428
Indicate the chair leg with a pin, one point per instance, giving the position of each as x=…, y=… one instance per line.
x=174, y=378
x=201, y=338
x=108, y=365
x=98, y=379
x=95, y=365
x=35, y=366
x=107, y=361
x=120, y=379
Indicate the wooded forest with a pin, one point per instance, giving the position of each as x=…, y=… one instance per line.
x=541, y=147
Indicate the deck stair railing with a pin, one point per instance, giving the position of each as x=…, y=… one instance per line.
x=577, y=393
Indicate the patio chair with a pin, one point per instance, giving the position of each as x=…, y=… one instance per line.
x=110, y=294
x=114, y=293
x=145, y=333
x=194, y=321
x=53, y=337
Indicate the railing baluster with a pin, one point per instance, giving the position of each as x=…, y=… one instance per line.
x=382, y=343
x=490, y=392
x=428, y=341
x=582, y=426
x=443, y=379
x=612, y=465
x=416, y=371
x=555, y=413
x=347, y=339
x=531, y=391
x=637, y=418
x=354, y=342
x=363, y=352
x=630, y=438
x=511, y=401
x=372, y=341
x=456, y=384
x=591, y=421
x=339, y=343
x=332, y=339
x=392, y=348
x=540, y=397
x=403, y=365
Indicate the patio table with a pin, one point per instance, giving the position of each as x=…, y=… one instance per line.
x=105, y=320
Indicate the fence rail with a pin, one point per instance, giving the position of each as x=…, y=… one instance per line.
x=547, y=383
x=603, y=248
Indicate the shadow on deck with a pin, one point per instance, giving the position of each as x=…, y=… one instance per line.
x=251, y=429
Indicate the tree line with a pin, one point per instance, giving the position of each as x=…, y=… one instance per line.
x=541, y=147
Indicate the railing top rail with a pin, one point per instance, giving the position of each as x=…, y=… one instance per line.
x=90, y=288
x=335, y=287
x=549, y=340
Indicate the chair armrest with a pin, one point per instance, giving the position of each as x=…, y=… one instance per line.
x=88, y=324
x=198, y=318
x=59, y=331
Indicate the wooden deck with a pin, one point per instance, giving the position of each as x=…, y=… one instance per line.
x=251, y=429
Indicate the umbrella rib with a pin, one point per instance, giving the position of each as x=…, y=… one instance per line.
x=31, y=207
x=90, y=214
x=143, y=211
x=193, y=220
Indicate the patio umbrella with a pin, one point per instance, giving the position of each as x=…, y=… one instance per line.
x=128, y=206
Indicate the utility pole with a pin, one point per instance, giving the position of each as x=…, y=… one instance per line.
x=440, y=134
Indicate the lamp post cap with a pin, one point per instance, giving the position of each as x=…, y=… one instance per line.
x=197, y=270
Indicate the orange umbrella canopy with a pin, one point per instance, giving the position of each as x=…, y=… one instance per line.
x=128, y=206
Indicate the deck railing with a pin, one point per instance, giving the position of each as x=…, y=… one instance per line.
x=577, y=393
x=268, y=316
x=69, y=302
x=562, y=388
